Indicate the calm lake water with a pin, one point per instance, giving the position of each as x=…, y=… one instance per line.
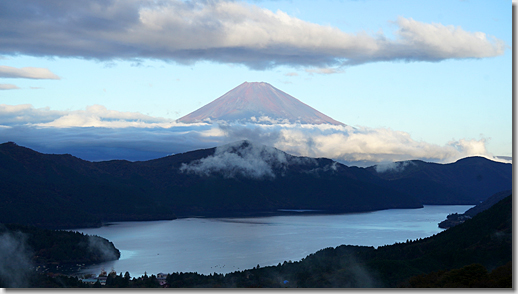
x=223, y=245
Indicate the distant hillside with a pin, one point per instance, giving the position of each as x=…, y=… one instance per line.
x=62, y=191
x=458, y=218
x=238, y=179
x=468, y=181
x=494, y=199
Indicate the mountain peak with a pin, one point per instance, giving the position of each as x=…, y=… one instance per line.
x=258, y=102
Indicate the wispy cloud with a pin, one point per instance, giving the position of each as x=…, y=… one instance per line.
x=252, y=161
x=92, y=116
x=324, y=71
x=220, y=31
x=27, y=73
x=15, y=268
x=8, y=87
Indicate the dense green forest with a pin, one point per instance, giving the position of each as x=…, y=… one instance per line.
x=476, y=253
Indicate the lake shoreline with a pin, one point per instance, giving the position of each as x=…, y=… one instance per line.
x=254, y=214
x=205, y=245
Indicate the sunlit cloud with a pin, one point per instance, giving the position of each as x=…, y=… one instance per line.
x=220, y=31
x=27, y=73
x=98, y=133
x=92, y=116
x=355, y=145
x=291, y=74
x=324, y=71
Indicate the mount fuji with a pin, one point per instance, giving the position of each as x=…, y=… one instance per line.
x=258, y=102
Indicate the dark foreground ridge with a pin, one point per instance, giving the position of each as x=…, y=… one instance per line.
x=458, y=218
x=474, y=254
x=239, y=179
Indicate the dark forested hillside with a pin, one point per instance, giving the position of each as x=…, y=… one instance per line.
x=467, y=181
x=238, y=179
x=26, y=251
x=61, y=191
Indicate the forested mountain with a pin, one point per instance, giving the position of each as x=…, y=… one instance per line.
x=239, y=179
x=467, y=181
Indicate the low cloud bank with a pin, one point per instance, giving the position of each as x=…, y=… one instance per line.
x=92, y=116
x=361, y=146
x=97, y=133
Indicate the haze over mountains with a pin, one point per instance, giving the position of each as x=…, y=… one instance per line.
x=258, y=103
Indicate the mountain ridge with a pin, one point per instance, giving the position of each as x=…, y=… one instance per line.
x=237, y=179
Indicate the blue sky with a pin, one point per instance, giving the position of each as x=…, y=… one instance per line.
x=432, y=77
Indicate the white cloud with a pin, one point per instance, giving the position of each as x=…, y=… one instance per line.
x=109, y=130
x=392, y=166
x=324, y=71
x=220, y=31
x=253, y=161
x=26, y=114
x=27, y=73
x=246, y=159
x=8, y=87
x=356, y=145
x=92, y=116
x=438, y=41
x=100, y=116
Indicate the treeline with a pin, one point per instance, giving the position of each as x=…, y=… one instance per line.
x=476, y=253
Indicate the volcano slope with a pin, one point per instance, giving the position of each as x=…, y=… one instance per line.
x=258, y=102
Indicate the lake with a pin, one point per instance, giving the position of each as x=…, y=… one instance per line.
x=223, y=245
